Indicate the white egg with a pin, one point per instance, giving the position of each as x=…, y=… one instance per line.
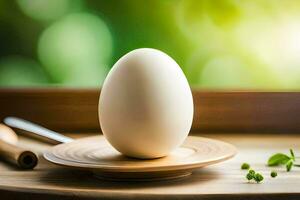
x=146, y=105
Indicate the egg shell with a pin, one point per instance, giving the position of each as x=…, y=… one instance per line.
x=146, y=105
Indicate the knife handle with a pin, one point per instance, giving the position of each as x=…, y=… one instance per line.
x=10, y=152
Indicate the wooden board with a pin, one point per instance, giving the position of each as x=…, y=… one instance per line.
x=239, y=111
x=220, y=181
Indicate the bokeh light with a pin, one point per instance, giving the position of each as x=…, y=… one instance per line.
x=225, y=72
x=47, y=10
x=19, y=71
x=228, y=44
x=76, y=50
x=262, y=37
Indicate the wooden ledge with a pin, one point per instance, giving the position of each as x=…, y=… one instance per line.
x=237, y=111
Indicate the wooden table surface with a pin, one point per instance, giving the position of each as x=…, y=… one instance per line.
x=220, y=181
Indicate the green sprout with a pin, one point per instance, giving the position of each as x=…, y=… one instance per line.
x=252, y=175
x=245, y=166
x=258, y=177
x=251, y=171
x=273, y=174
x=275, y=160
x=289, y=165
x=249, y=177
x=283, y=159
x=292, y=154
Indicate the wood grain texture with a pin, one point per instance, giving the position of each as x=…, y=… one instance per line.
x=247, y=111
x=12, y=153
x=220, y=181
x=58, y=109
x=97, y=155
x=22, y=158
x=76, y=109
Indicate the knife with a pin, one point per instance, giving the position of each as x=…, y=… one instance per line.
x=41, y=131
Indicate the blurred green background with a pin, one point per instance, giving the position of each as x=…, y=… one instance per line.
x=219, y=44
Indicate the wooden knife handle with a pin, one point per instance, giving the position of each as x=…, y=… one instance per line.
x=10, y=152
x=20, y=157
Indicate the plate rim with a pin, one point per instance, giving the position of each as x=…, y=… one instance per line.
x=50, y=157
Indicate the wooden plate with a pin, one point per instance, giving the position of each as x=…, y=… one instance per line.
x=97, y=155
